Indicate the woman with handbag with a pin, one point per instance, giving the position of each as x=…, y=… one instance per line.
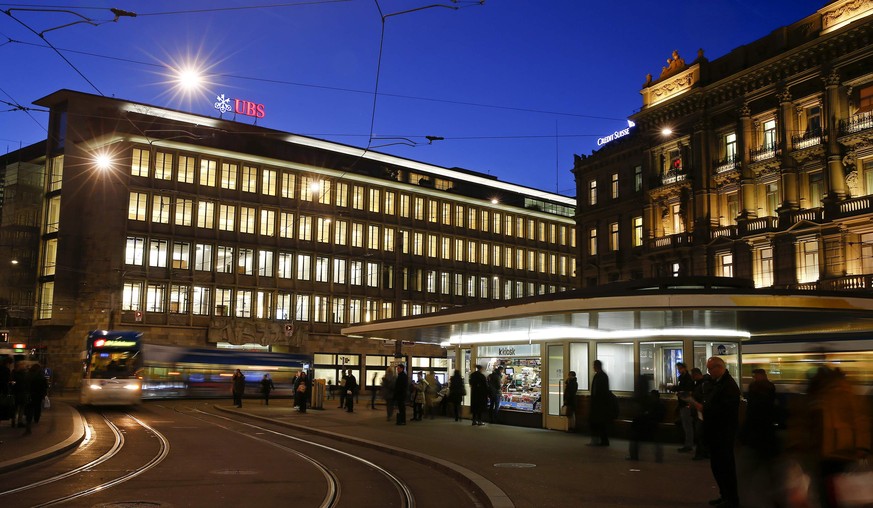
x=571, y=386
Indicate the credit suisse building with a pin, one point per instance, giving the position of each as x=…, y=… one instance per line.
x=200, y=231
x=765, y=173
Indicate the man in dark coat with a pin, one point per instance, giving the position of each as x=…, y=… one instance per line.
x=721, y=411
x=38, y=392
x=684, y=386
x=401, y=392
x=601, y=413
x=571, y=386
x=351, y=390
x=478, y=395
x=495, y=389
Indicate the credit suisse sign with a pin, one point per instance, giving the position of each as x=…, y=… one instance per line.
x=239, y=106
x=615, y=135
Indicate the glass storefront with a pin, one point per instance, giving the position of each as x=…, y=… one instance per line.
x=618, y=363
x=658, y=363
x=728, y=351
x=522, y=380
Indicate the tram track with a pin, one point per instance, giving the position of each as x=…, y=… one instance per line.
x=116, y=447
x=332, y=498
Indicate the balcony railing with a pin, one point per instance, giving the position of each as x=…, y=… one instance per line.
x=807, y=140
x=758, y=225
x=857, y=123
x=672, y=176
x=677, y=240
x=729, y=163
x=847, y=283
x=763, y=153
x=854, y=206
x=811, y=215
x=725, y=231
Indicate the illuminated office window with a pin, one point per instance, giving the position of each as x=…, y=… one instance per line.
x=342, y=194
x=338, y=310
x=288, y=188
x=592, y=241
x=134, y=253
x=484, y=221
x=131, y=296
x=249, y=179
x=247, y=219
x=613, y=236
x=208, y=168
x=495, y=258
x=228, y=175
x=180, y=257
x=807, y=260
x=268, y=182
x=263, y=305
x=245, y=262
x=324, y=192
x=322, y=269
x=320, y=308
x=432, y=246
x=285, y=265
x=373, y=274
x=638, y=231
x=725, y=264
x=201, y=300
x=286, y=225
x=472, y=218
x=155, y=297
x=163, y=166
x=357, y=234
x=404, y=205
x=340, y=232
x=224, y=259
x=389, y=203
x=614, y=186
x=268, y=222
x=339, y=271
x=356, y=273
x=459, y=249
x=418, y=208
x=498, y=222
x=185, y=171
x=322, y=230
x=304, y=232
x=389, y=234
x=184, y=212
x=265, y=263
x=375, y=200
x=226, y=217
x=507, y=256
x=161, y=209
x=357, y=197
x=244, y=303
x=139, y=165
x=471, y=251
x=445, y=247
x=592, y=192
x=284, y=306
x=459, y=216
x=763, y=267
x=373, y=237
x=203, y=257
x=179, y=303
x=136, y=209
x=418, y=244
x=302, y=307
x=158, y=251
x=304, y=267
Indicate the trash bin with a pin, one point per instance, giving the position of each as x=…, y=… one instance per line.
x=318, y=388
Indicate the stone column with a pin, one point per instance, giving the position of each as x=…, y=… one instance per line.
x=749, y=204
x=788, y=170
x=836, y=179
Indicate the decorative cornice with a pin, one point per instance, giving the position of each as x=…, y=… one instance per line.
x=843, y=12
x=670, y=87
x=784, y=96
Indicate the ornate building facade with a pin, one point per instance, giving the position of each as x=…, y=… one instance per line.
x=756, y=165
x=203, y=231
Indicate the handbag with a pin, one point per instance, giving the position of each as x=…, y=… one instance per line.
x=46, y=403
x=301, y=388
x=563, y=411
x=854, y=487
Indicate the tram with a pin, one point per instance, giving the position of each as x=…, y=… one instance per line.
x=112, y=368
x=179, y=372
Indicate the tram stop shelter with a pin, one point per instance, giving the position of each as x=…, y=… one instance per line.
x=638, y=330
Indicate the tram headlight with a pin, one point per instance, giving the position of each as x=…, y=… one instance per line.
x=131, y=387
x=95, y=387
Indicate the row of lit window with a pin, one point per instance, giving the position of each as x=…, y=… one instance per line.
x=321, y=308
x=614, y=238
x=161, y=253
x=341, y=194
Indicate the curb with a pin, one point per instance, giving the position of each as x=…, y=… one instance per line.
x=75, y=438
x=483, y=488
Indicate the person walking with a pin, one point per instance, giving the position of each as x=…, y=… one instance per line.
x=341, y=386
x=432, y=390
x=720, y=422
x=479, y=395
x=38, y=391
x=267, y=386
x=238, y=387
x=387, y=391
x=644, y=426
x=457, y=391
x=702, y=382
x=300, y=392
x=418, y=389
x=495, y=393
x=401, y=392
x=759, y=428
x=21, y=416
x=602, y=411
x=351, y=390
x=683, y=388
x=571, y=386
x=373, y=390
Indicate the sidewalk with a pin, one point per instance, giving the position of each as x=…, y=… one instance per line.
x=60, y=429
x=512, y=466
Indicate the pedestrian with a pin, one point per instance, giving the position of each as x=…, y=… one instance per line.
x=683, y=388
x=603, y=407
x=21, y=416
x=431, y=392
x=495, y=393
x=238, y=387
x=38, y=391
x=7, y=400
x=300, y=391
x=267, y=386
x=571, y=386
x=341, y=386
x=401, y=392
x=759, y=428
x=330, y=388
x=457, y=391
x=418, y=389
x=720, y=422
x=478, y=394
x=644, y=425
x=351, y=389
x=702, y=383
x=388, y=381
x=373, y=390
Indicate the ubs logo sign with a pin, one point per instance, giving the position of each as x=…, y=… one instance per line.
x=239, y=106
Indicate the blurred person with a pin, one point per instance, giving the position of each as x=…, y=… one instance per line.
x=431, y=391
x=571, y=386
x=836, y=430
x=683, y=388
x=300, y=391
x=330, y=388
x=373, y=390
x=644, y=426
x=602, y=412
x=351, y=391
x=495, y=393
x=21, y=415
x=341, y=386
x=418, y=389
x=702, y=382
x=401, y=392
x=267, y=386
x=720, y=422
x=38, y=392
x=387, y=392
x=7, y=401
x=478, y=394
x=238, y=387
x=457, y=391
x=759, y=428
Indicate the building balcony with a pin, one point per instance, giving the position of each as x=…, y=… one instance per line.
x=811, y=215
x=759, y=225
x=729, y=163
x=672, y=176
x=855, y=206
x=671, y=241
x=763, y=153
x=807, y=140
x=857, y=123
x=724, y=232
x=845, y=283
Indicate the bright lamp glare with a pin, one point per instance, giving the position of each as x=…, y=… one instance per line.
x=666, y=131
x=190, y=79
x=103, y=161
